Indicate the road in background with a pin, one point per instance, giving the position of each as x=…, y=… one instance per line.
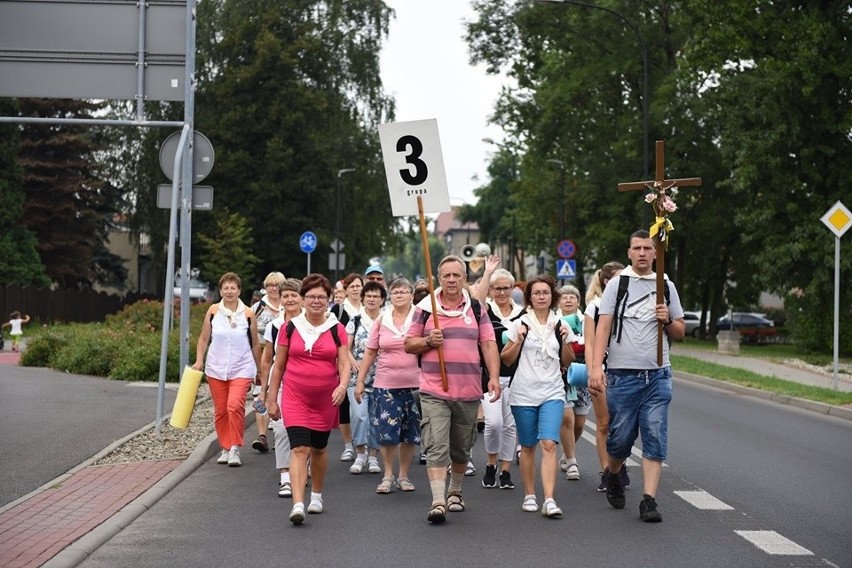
x=52, y=421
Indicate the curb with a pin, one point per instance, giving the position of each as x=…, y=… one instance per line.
x=813, y=406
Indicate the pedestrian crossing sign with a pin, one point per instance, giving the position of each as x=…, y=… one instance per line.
x=566, y=269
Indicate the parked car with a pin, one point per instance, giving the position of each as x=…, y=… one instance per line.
x=750, y=325
x=198, y=290
x=692, y=320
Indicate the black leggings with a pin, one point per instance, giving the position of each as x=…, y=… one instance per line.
x=302, y=436
x=344, y=410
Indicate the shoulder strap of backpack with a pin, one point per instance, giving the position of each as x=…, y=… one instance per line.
x=620, y=305
x=514, y=367
x=260, y=305
x=334, y=335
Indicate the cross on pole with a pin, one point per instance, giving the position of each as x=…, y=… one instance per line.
x=661, y=190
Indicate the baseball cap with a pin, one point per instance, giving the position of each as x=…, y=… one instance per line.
x=374, y=268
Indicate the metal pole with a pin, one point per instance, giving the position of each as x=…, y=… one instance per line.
x=140, y=63
x=337, y=225
x=309, y=266
x=835, y=385
x=170, y=279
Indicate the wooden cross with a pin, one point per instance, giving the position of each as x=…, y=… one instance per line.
x=662, y=186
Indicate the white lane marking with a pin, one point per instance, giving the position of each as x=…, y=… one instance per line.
x=634, y=450
x=703, y=500
x=771, y=542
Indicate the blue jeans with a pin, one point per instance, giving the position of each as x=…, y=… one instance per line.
x=638, y=403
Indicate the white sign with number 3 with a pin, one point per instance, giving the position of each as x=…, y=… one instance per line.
x=414, y=166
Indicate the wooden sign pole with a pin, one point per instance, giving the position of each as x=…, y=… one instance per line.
x=428, y=259
x=660, y=230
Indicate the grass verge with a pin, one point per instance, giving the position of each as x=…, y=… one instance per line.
x=762, y=382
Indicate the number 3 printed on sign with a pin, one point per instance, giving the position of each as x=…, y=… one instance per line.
x=421, y=172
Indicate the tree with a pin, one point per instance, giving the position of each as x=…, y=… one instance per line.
x=290, y=93
x=230, y=250
x=19, y=262
x=67, y=206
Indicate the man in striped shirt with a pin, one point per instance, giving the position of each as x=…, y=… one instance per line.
x=448, y=426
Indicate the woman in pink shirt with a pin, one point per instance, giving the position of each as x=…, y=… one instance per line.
x=396, y=418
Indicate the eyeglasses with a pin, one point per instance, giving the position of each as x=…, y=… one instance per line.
x=540, y=293
x=316, y=298
x=372, y=296
x=501, y=290
x=400, y=292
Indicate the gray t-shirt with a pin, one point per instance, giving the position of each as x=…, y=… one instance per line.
x=638, y=346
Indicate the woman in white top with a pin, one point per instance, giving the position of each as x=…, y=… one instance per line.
x=229, y=338
x=539, y=343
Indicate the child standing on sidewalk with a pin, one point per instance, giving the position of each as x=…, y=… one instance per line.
x=15, y=323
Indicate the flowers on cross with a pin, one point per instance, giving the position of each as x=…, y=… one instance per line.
x=661, y=199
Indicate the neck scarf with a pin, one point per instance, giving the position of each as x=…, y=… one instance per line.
x=495, y=309
x=310, y=332
x=542, y=331
x=352, y=310
x=426, y=305
x=232, y=315
x=387, y=321
x=632, y=274
x=366, y=320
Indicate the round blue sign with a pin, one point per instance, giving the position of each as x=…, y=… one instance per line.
x=308, y=242
x=566, y=249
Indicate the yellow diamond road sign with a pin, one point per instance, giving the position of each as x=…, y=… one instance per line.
x=838, y=219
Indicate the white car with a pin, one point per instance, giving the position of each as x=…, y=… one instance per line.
x=198, y=290
x=692, y=320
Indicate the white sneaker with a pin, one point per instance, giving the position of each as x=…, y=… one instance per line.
x=563, y=463
x=234, y=458
x=358, y=466
x=551, y=509
x=315, y=508
x=285, y=489
x=530, y=505
x=223, y=457
x=373, y=466
x=573, y=472
x=297, y=514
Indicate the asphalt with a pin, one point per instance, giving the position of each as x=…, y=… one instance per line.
x=72, y=545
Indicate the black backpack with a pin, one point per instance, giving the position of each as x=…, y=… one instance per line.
x=621, y=304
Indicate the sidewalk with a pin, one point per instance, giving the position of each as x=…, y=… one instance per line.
x=63, y=522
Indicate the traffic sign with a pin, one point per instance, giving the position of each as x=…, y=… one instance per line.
x=566, y=249
x=838, y=219
x=336, y=245
x=566, y=269
x=335, y=258
x=308, y=242
x=202, y=197
x=203, y=156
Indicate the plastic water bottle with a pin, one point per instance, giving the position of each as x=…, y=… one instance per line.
x=259, y=407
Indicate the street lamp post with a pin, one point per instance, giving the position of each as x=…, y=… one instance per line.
x=337, y=224
x=561, y=165
x=645, y=95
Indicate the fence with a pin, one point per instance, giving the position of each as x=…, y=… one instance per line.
x=60, y=305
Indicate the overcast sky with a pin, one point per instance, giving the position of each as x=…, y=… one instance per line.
x=425, y=68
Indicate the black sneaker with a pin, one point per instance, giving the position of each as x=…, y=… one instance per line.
x=648, y=510
x=490, y=477
x=506, y=480
x=602, y=484
x=623, y=477
x=614, y=490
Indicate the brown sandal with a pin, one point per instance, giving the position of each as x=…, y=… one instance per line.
x=455, y=503
x=438, y=513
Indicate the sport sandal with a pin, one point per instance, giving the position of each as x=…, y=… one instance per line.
x=455, y=503
x=386, y=486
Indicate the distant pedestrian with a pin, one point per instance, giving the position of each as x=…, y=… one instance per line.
x=265, y=310
x=15, y=324
x=229, y=339
x=638, y=389
x=313, y=362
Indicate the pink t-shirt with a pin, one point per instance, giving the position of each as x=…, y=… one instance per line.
x=395, y=369
x=310, y=378
x=461, y=356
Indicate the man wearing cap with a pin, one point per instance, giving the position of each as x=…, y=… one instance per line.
x=374, y=273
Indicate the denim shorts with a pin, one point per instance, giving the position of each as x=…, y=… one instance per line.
x=535, y=423
x=638, y=403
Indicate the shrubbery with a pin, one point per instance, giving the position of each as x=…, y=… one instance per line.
x=126, y=346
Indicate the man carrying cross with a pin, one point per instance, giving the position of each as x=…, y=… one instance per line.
x=638, y=388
